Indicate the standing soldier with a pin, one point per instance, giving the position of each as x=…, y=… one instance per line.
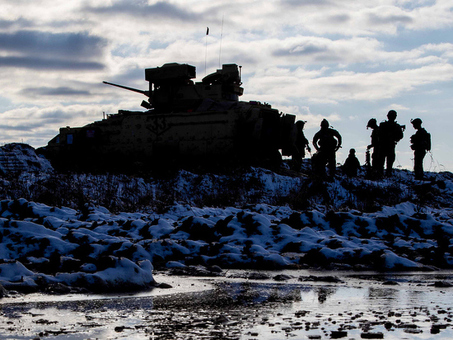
x=326, y=141
x=420, y=143
x=375, y=157
x=390, y=133
x=300, y=144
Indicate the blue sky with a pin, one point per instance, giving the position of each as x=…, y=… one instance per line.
x=347, y=61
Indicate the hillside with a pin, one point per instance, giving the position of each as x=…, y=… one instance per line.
x=70, y=232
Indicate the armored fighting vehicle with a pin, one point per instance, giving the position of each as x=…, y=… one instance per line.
x=186, y=122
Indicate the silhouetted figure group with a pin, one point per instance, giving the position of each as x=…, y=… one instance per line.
x=384, y=138
x=383, y=142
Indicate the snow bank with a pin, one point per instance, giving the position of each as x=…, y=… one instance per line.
x=252, y=219
x=42, y=246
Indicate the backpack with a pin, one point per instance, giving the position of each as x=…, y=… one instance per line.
x=421, y=140
x=390, y=132
x=427, y=140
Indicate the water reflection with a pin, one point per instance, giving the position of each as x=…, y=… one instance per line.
x=247, y=293
x=242, y=309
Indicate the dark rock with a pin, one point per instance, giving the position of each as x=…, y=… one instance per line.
x=408, y=326
x=329, y=279
x=338, y=334
x=390, y=283
x=388, y=325
x=369, y=335
x=215, y=269
x=282, y=277
x=442, y=284
x=58, y=288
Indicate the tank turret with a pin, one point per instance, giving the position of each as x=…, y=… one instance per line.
x=171, y=87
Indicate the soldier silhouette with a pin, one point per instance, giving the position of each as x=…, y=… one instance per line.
x=390, y=133
x=301, y=143
x=420, y=143
x=376, y=161
x=352, y=165
x=326, y=141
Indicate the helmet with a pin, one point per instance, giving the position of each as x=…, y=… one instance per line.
x=416, y=121
x=300, y=124
x=324, y=123
x=391, y=114
x=372, y=123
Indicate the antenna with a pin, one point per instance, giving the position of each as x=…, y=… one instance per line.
x=206, y=52
x=221, y=36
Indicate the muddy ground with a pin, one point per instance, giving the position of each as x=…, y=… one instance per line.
x=246, y=305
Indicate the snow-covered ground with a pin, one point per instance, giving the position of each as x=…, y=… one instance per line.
x=74, y=232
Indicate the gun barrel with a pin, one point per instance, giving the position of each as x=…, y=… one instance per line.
x=146, y=93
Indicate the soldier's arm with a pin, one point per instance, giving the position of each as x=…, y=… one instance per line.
x=338, y=136
x=315, y=141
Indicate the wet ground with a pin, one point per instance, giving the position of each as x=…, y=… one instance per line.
x=247, y=305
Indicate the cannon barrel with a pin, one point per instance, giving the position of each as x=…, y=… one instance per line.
x=146, y=93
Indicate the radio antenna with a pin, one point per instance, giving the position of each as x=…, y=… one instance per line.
x=221, y=36
x=206, y=52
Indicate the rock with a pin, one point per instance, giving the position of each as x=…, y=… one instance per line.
x=163, y=285
x=119, y=329
x=435, y=329
x=442, y=284
x=370, y=335
x=390, y=283
x=282, y=277
x=258, y=276
x=338, y=334
x=328, y=279
x=58, y=289
x=215, y=269
x=221, y=319
x=388, y=325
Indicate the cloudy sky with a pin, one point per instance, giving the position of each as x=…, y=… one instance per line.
x=344, y=60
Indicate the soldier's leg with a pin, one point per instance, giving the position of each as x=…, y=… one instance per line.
x=377, y=163
x=380, y=163
x=296, y=159
x=390, y=160
x=317, y=165
x=332, y=163
x=418, y=164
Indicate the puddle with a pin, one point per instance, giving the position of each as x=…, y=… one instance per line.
x=178, y=285
x=390, y=306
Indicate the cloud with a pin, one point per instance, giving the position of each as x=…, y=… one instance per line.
x=344, y=86
x=48, y=64
x=55, y=45
x=386, y=19
x=53, y=91
x=141, y=9
x=37, y=125
x=20, y=22
x=304, y=3
x=303, y=49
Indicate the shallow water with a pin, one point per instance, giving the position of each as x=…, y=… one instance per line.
x=394, y=306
